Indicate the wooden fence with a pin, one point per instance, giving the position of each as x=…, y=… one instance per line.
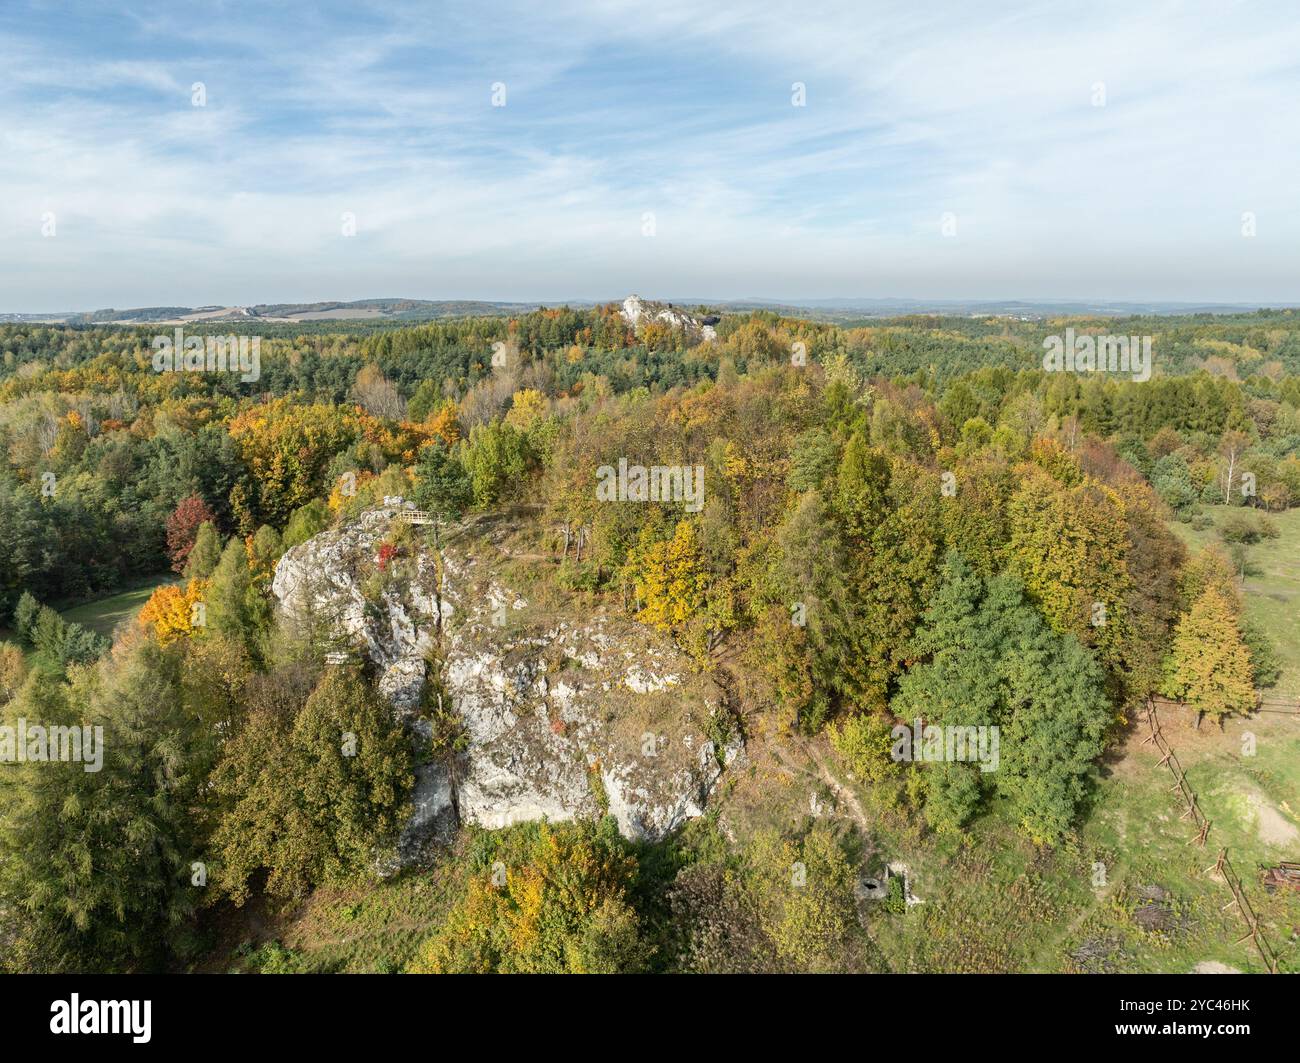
x=1223, y=865
x=1283, y=706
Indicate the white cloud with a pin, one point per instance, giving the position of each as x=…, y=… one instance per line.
x=615, y=109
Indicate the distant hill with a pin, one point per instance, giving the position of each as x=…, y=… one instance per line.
x=357, y=310
x=835, y=309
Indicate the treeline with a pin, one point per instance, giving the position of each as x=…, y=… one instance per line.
x=100, y=449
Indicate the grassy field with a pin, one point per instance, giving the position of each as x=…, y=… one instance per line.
x=104, y=614
x=367, y=930
x=1272, y=586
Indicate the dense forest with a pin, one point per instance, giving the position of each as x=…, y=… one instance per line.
x=903, y=518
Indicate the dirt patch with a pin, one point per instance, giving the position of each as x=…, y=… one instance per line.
x=1213, y=967
x=1272, y=827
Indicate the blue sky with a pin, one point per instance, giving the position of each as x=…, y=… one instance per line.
x=984, y=113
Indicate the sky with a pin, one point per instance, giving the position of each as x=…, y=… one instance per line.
x=157, y=154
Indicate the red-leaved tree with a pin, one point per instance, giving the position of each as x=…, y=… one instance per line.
x=183, y=528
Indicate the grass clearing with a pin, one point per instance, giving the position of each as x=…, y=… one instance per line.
x=104, y=614
x=370, y=928
x=1272, y=585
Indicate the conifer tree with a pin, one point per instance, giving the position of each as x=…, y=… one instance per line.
x=315, y=798
x=96, y=866
x=205, y=554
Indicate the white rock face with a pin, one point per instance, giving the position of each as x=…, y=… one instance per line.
x=566, y=715
x=320, y=582
x=637, y=311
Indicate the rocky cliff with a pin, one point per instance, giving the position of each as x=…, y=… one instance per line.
x=564, y=714
x=637, y=311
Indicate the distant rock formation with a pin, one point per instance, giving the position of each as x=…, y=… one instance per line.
x=637, y=311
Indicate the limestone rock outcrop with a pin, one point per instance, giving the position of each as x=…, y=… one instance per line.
x=565, y=714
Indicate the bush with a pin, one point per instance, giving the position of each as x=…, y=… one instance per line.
x=864, y=742
x=1247, y=527
x=1265, y=667
x=543, y=899
x=895, y=900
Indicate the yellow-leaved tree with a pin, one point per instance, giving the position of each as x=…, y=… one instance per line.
x=171, y=610
x=670, y=579
x=1209, y=665
x=526, y=408
x=554, y=902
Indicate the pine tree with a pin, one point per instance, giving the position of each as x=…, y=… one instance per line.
x=990, y=660
x=441, y=485
x=25, y=614
x=959, y=686
x=202, y=559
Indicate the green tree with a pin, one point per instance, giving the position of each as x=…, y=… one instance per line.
x=205, y=554
x=25, y=614
x=1265, y=666
x=813, y=460
x=95, y=864
x=307, y=521
x=50, y=639
x=987, y=659
x=442, y=485
x=427, y=398
x=1173, y=482
x=496, y=458
x=313, y=799
x=230, y=610
x=22, y=539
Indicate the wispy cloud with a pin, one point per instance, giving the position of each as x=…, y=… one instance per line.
x=984, y=113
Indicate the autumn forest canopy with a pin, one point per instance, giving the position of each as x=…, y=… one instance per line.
x=901, y=519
